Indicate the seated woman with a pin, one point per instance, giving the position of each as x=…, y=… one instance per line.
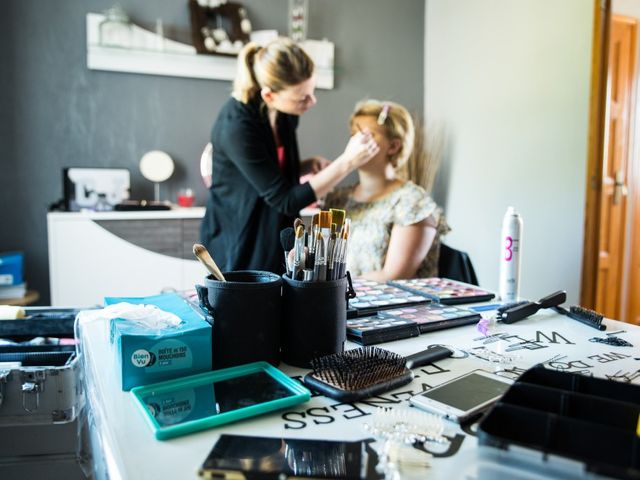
x=396, y=225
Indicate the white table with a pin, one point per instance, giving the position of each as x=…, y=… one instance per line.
x=129, y=449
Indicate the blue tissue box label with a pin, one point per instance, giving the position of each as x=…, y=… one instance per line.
x=165, y=355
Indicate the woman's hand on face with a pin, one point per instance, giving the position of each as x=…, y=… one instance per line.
x=313, y=165
x=361, y=148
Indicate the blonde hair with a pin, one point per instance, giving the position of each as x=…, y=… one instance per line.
x=281, y=63
x=415, y=160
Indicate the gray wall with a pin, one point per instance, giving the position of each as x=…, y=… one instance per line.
x=56, y=113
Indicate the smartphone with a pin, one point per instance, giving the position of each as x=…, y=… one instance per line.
x=245, y=457
x=464, y=396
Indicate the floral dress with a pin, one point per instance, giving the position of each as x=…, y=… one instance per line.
x=371, y=224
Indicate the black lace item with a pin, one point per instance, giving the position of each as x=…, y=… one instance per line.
x=614, y=341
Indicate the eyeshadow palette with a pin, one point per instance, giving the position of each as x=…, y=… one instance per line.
x=372, y=297
x=433, y=316
x=443, y=290
x=376, y=329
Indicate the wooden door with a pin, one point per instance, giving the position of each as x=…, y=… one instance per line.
x=613, y=191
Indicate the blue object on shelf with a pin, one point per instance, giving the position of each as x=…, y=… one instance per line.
x=11, y=267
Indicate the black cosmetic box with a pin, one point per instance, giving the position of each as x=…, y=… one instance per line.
x=562, y=425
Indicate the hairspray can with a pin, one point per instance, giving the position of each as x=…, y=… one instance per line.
x=511, y=239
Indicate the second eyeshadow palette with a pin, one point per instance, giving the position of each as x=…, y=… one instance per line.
x=444, y=290
x=406, y=322
x=433, y=316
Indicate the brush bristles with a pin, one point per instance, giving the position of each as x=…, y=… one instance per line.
x=338, y=217
x=325, y=219
x=287, y=238
x=586, y=314
x=359, y=368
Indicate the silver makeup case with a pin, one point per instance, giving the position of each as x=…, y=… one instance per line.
x=39, y=385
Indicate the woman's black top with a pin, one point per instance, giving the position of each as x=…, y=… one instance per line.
x=251, y=198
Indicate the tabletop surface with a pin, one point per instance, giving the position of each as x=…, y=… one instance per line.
x=131, y=451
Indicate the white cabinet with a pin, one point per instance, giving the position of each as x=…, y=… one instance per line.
x=97, y=254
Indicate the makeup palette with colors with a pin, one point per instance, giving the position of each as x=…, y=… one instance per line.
x=433, y=316
x=373, y=296
x=376, y=329
x=445, y=291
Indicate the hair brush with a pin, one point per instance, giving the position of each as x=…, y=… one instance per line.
x=520, y=312
x=584, y=315
x=365, y=372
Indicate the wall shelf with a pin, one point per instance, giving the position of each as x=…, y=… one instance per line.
x=177, y=59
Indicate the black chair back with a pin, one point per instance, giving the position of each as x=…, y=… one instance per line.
x=456, y=265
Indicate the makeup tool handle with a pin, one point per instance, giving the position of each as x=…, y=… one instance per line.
x=203, y=255
x=520, y=312
x=429, y=355
x=553, y=300
x=320, y=273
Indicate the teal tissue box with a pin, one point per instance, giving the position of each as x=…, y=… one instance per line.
x=147, y=356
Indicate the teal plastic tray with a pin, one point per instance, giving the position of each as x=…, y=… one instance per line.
x=189, y=404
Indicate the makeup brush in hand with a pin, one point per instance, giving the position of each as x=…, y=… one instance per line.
x=202, y=254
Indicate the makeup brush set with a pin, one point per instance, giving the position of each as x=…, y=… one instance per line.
x=318, y=254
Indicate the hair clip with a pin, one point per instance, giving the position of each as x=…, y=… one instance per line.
x=384, y=113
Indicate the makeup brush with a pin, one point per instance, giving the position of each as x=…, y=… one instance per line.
x=337, y=217
x=517, y=313
x=298, y=248
x=333, y=243
x=320, y=265
x=203, y=255
x=344, y=243
x=287, y=240
x=296, y=223
x=365, y=372
x=584, y=315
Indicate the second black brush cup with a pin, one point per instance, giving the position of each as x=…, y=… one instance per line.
x=314, y=319
x=246, y=312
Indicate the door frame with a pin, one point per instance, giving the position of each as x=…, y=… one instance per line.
x=595, y=154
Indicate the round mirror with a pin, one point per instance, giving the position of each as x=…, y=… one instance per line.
x=156, y=166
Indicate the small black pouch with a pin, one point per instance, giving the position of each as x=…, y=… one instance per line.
x=314, y=319
x=246, y=311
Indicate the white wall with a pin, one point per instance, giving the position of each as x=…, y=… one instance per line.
x=509, y=80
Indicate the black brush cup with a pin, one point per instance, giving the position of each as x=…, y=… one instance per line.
x=246, y=311
x=315, y=320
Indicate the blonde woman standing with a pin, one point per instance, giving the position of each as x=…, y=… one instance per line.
x=396, y=225
x=256, y=163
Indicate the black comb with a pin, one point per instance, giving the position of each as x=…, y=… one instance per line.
x=365, y=372
x=517, y=313
x=584, y=315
